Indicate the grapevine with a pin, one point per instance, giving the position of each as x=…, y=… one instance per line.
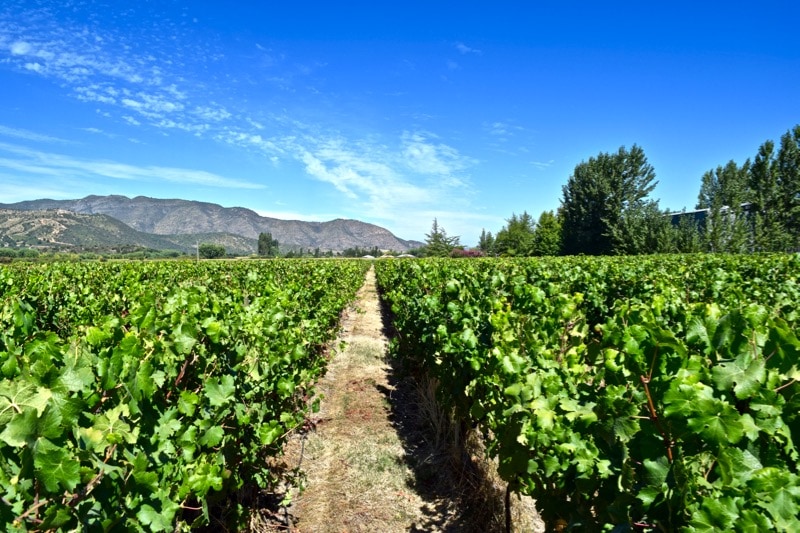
x=621, y=393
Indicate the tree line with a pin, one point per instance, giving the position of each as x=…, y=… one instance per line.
x=606, y=208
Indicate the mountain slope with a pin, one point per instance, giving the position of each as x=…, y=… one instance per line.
x=57, y=228
x=180, y=217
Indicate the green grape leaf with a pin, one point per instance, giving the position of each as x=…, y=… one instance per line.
x=717, y=422
x=220, y=391
x=187, y=402
x=715, y=515
x=682, y=398
x=17, y=395
x=697, y=333
x=214, y=329
x=145, y=386
x=113, y=428
x=269, y=433
x=167, y=425
x=744, y=374
x=55, y=467
x=77, y=379
x=54, y=517
x=95, y=336
x=736, y=466
x=778, y=492
x=751, y=521
x=212, y=437
x=21, y=429
x=184, y=338
x=155, y=520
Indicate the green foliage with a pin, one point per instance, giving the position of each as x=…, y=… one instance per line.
x=267, y=246
x=755, y=207
x=723, y=193
x=788, y=166
x=517, y=236
x=361, y=252
x=486, y=242
x=598, y=195
x=644, y=229
x=132, y=391
x=211, y=251
x=687, y=236
x=547, y=235
x=768, y=227
x=623, y=394
x=437, y=243
x=774, y=185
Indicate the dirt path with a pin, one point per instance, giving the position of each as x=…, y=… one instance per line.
x=372, y=463
x=358, y=474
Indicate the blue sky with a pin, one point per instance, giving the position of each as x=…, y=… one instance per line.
x=388, y=112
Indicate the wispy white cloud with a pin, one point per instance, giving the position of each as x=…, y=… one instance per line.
x=498, y=129
x=72, y=58
x=250, y=140
x=464, y=49
x=425, y=156
x=20, y=48
x=42, y=163
x=394, y=183
x=125, y=74
x=152, y=106
x=29, y=135
x=212, y=113
x=542, y=164
x=380, y=178
x=502, y=129
x=362, y=172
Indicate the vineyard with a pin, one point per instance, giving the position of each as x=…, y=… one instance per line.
x=623, y=394
x=145, y=396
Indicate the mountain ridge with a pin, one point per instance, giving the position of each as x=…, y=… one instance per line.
x=178, y=217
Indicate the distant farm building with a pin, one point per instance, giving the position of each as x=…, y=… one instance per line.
x=698, y=217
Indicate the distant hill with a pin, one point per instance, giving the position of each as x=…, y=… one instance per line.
x=176, y=224
x=61, y=229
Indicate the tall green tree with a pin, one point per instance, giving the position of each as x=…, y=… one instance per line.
x=687, y=236
x=486, y=242
x=723, y=192
x=547, y=235
x=516, y=238
x=438, y=243
x=267, y=246
x=789, y=186
x=598, y=194
x=769, y=233
x=644, y=229
x=774, y=195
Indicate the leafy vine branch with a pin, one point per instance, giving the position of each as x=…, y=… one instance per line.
x=654, y=417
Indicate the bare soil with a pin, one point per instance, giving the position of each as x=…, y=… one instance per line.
x=380, y=455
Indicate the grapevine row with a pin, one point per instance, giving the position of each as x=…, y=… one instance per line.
x=140, y=396
x=621, y=393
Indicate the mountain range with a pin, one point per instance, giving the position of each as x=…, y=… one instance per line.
x=173, y=224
